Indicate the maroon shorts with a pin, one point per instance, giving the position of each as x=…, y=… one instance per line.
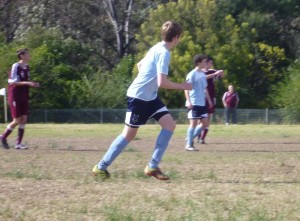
x=19, y=108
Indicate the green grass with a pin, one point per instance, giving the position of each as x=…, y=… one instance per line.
x=104, y=130
x=244, y=173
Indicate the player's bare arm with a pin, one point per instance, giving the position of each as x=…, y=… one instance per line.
x=164, y=82
x=187, y=97
x=218, y=73
x=210, y=104
x=28, y=83
x=223, y=100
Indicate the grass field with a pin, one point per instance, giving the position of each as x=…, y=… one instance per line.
x=243, y=173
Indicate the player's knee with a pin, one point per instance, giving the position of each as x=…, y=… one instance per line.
x=174, y=126
x=205, y=124
x=171, y=126
x=15, y=121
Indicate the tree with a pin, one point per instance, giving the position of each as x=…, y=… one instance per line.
x=103, y=90
x=111, y=10
x=9, y=18
x=284, y=94
x=274, y=20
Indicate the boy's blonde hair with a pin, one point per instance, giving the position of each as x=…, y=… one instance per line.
x=169, y=30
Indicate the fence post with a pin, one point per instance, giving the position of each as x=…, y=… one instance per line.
x=267, y=116
x=46, y=116
x=101, y=115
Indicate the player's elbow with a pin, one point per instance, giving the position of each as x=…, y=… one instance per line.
x=160, y=84
x=162, y=81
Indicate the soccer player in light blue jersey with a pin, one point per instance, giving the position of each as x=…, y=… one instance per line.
x=143, y=103
x=195, y=100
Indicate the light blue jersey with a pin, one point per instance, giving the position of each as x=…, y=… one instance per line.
x=199, y=82
x=155, y=62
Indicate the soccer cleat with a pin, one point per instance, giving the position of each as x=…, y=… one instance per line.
x=21, y=146
x=4, y=143
x=190, y=148
x=155, y=172
x=104, y=174
x=186, y=140
x=201, y=141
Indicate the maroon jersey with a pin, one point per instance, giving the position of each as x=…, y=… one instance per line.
x=18, y=74
x=210, y=83
x=231, y=99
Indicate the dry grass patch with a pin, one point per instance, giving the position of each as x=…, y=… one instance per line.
x=234, y=177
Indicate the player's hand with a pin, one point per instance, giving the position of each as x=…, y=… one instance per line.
x=189, y=105
x=220, y=73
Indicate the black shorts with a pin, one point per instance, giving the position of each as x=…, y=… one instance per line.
x=197, y=112
x=139, y=111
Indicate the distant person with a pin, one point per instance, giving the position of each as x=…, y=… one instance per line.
x=230, y=101
x=143, y=103
x=18, y=98
x=195, y=100
x=211, y=75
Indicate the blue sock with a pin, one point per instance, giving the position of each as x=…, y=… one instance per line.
x=190, y=136
x=114, y=150
x=161, y=145
x=197, y=131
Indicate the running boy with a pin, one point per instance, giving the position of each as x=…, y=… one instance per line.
x=18, y=97
x=195, y=100
x=143, y=103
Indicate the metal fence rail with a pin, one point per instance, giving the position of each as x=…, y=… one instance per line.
x=244, y=116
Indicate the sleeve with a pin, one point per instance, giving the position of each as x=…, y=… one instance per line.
x=162, y=64
x=188, y=78
x=224, y=96
x=14, y=74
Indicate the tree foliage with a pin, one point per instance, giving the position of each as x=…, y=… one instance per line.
x=285, y=94
x=103, y=89
x=82, y=49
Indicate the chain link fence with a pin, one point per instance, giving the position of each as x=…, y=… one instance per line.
x=244, y=116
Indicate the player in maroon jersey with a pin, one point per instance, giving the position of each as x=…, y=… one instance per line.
x=18, y=97
x=211, y=75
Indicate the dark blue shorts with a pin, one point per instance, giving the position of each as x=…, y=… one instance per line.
x=139, y=111
x=197, y=112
